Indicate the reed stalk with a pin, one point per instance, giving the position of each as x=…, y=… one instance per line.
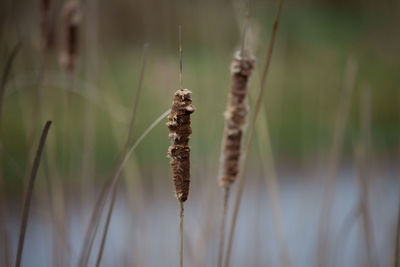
x=179, y=151
x=28, y=194
x=235, y=124
x=333, y=160
x=242, y=176
x=3, y=228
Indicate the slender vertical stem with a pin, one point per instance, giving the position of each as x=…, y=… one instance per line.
x=180, y=58
x=3, y=229
x=223, y=224
x=333, y=161
x=242, y=176
x=244, y=30
x=181, y=235
x=117, y=175
x=28, y=194
x=397, y=244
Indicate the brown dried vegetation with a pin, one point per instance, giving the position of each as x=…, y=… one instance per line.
x=179, y=132
x=235, y=118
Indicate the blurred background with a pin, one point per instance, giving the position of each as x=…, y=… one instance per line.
x=324, y=165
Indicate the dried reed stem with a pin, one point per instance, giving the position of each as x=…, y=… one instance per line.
x=6, y=73
x=397, y=240
x=272, y=186
x=71, y=15
x=181, y=235
x=93, y=225
x=223, y=224
x=333, y=160
x=3, y=229
x=28, y=194
x=179, y=151
x=235, y=124
x=364, y=162
x=242, y=176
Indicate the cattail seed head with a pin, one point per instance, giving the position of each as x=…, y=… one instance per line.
x=235, y=118
x=46, y=29
x=179, y=132
x=71, y=16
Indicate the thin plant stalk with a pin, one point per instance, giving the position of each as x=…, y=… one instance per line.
x=4, y=79
x=396, y=262
x=364, y=171
x=181, y=235
x=117, y=176
x=89, y=237
x=333, y=160
x=242, y=176
x=91, y=29
x=28, y=194
x=235, y=126
x=272, y=186
x=179, y=151
x=223, y=225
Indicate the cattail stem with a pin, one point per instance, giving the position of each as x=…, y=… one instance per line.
x=242, y=178
x=3, y=229
x=223, y=225
x=334, y=156
x=28, y=194
x=397, y=240
x=181, y=235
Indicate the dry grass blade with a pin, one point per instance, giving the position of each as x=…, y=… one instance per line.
x=242, y=176
x=223, y=225
x=272, y=186
x=94, y=221
x=6, y=73
x=338, y=137
x=181, y=235
x=116, y=179
x=363, y=159
x=4, y=78
x=397, y=240
x=28, y=194
x=235, y=124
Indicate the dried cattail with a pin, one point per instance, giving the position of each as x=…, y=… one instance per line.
x=235, y=117
x=179, y=132
x=71, y=16
x=46, y=29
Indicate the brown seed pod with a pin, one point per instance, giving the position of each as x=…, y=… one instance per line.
x=179, y=132
x=235, y=118
x=71, y=16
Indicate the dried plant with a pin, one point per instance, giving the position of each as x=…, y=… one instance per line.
x=179, y=132
x=235, y=124
x=242, y=178
x=71, y=15
x=235, y=118
x=28, y=194
x=179, y=152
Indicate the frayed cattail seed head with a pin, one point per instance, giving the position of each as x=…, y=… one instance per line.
x=46, y=29
x=235, y=117
x=179, y=132
x=71, y=16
